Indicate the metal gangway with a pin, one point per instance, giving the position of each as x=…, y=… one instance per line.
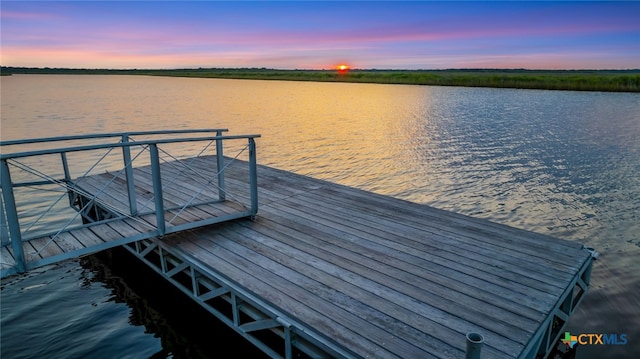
x=64, y=197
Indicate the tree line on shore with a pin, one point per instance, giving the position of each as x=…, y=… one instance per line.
x=575, y=80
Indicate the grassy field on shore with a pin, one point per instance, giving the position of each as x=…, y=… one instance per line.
x=575, y=80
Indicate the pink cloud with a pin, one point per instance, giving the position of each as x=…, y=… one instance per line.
x=22, y=15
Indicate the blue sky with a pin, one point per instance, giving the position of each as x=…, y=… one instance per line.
x=316, y=35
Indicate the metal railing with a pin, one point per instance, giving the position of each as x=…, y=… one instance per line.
x=12, y=232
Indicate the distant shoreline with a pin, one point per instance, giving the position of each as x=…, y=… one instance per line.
x=572, y=80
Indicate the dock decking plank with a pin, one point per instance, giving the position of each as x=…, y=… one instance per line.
x=30, y=253
x=87, y=237
x=68, y=242
x=6, y=258
x=95, y=185
x=473, y=225
x=394, y=305
x=46, y=246
x=130, y=227
x=377, y=280
x=105, y=232
x=414, y=210
x=441, y=275
x=389, y=219
x=300, y=303
x=180, y=186
x=496, y=275
x=498, y=261
x=445, y=266
x=369, y=262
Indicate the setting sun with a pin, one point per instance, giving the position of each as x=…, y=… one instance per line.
x=342, y=68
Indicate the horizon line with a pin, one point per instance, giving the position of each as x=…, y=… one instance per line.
x=323, y=69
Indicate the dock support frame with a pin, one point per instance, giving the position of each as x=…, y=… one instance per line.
x=544, y=340
x=257, y=321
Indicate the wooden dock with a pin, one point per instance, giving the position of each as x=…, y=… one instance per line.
x=386, y=278
x=338, y=272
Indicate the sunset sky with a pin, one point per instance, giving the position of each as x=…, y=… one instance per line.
x=317, y=35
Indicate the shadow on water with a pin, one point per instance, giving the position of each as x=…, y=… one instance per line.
x=110, y=305
x=185, y=329
x=563, y=352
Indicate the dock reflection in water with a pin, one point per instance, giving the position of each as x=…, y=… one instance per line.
x=84, y=301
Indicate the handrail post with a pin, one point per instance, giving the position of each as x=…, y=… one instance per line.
x=253, y=176
x=12, y=216
x=157, y=188
x=65, y=166
x=67, y=176
x=219, y=156
x=128, y=170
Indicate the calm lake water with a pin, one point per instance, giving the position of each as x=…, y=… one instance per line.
x=566, y=164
